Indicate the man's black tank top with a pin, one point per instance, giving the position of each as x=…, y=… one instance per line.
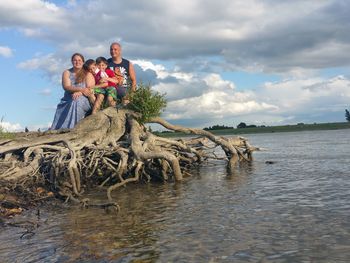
x=123, y=69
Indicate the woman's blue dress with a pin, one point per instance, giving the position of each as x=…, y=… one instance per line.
x=69, y=112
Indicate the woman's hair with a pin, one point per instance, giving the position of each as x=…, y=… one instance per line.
x=81, y=74
x=87, y=64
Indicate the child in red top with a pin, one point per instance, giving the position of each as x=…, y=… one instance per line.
x=105, y=83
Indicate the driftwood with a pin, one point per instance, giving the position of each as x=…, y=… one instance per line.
x=110, y=149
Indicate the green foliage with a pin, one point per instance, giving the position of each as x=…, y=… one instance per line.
x=347, y=115
x=147, y=102
x=241, y=125
x=217, y=127
x=4, y=134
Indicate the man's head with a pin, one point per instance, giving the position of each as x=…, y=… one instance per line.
x=115, y=50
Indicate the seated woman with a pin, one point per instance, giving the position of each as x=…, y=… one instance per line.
x=75, y=104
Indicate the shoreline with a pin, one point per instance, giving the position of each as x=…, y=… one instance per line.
x=267, y=129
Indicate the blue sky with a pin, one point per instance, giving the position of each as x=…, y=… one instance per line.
x=262, y=62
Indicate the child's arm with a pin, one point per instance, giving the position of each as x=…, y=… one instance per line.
x=111, y=77
x=101, y=85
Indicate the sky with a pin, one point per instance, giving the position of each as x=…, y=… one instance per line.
x=222, y=62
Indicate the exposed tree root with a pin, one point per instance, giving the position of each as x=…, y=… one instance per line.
x=110, y=149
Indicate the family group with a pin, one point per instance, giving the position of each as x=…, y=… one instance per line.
x=89, y=84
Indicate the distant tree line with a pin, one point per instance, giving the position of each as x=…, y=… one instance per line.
x=223, y=127
x=217, y=127
x=243, y=125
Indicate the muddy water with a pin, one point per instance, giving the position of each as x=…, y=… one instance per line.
x=294, y=208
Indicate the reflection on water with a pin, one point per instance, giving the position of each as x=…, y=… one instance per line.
x=293, y=210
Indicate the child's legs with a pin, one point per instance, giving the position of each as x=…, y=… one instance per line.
x=98, y=102
x=92, y=99
x=111, y=101
x=111, y=96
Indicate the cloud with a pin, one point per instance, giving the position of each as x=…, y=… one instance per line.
x=51, y=64
x=215, y=105
x=308, y=100
x=10, y=127
x=41, y=127
x=5, y=51
x=45, y=92
x=49, y=108
x=30, y=14
x=208, y=98
x=250, y=35
x=188, y=46
x=217, y=101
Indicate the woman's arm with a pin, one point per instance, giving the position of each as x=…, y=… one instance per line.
x=67, y=84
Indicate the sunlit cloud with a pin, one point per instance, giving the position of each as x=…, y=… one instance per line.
x=6, y=51
x=10, y=127
x=45, y=92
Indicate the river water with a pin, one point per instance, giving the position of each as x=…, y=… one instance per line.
x=292, y=204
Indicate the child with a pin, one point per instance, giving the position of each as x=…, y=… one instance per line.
x=90, y=66
x=105, y=82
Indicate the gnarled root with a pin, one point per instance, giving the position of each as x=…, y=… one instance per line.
x=110, y=148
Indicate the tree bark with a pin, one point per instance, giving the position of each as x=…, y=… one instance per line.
x=110, y=148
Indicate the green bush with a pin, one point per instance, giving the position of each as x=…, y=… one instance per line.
x=147, y=102
x=4, y=134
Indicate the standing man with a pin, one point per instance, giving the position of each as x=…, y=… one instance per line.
x=123, y=69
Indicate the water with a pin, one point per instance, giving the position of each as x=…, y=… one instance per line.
x=294, y=210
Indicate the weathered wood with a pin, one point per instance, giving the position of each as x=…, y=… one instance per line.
x=110, y=148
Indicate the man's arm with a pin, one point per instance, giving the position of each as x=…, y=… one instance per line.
x=132, y=76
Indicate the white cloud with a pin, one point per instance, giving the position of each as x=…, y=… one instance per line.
x=214, y=105
x=45, y=92
x=30, y=13
x=51, y=64
x=217, y=83
x=160, y=70
x=41, y=127
x=264, y=35
x=5, y=51
x=310, y=99
x=208, y=99
x=250, y=35
x=186, y=48
x=10, y=127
